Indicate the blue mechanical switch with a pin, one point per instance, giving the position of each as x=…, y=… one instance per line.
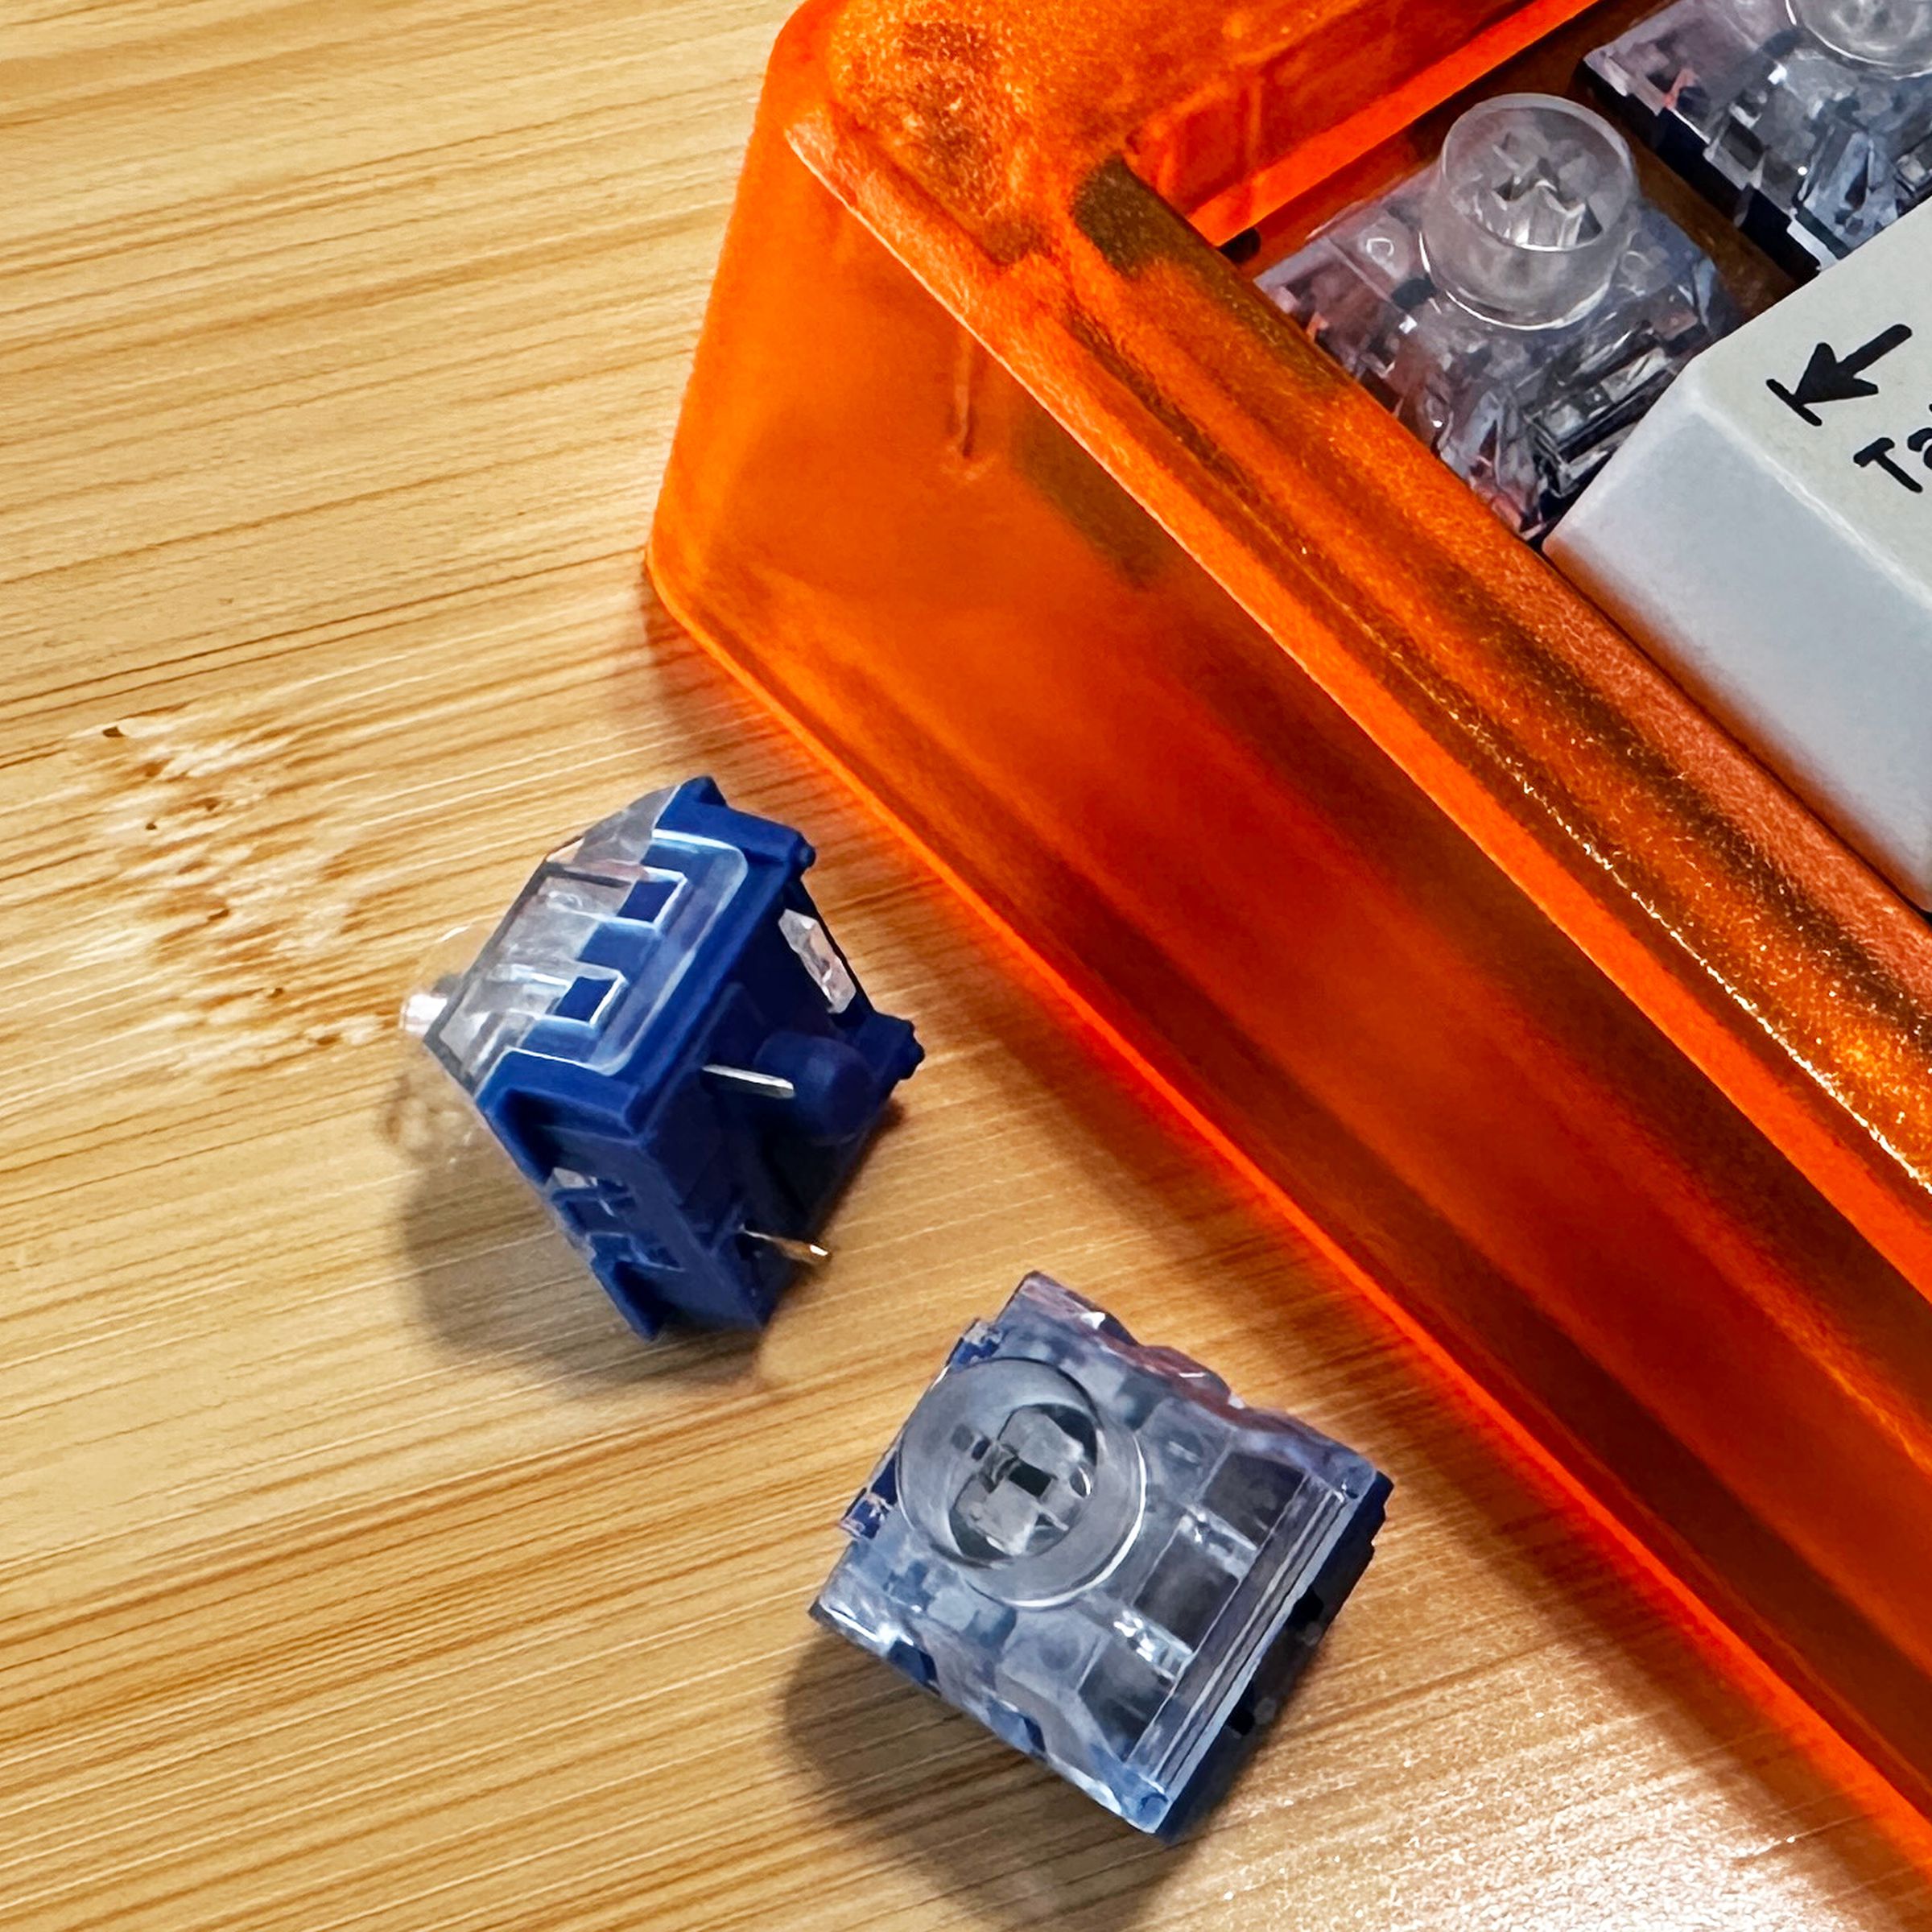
x=664, y=1036
x=1097, y=1551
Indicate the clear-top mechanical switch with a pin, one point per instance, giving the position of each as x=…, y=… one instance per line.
x=1518, y=306
x=1809, y=122
x=1096, y=1550
x=663, y=1035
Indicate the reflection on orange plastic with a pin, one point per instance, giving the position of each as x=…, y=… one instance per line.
x=1572, y=1033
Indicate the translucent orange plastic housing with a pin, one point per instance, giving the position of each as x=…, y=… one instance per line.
x=1585, y=1045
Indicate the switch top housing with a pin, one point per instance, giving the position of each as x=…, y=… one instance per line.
x=1100, y=1553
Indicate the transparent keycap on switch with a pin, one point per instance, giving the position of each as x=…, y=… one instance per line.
x=1809, y=122
x=1097, y=1551
x=1518, y=306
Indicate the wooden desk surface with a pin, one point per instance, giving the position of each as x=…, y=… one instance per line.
x=359, y=1568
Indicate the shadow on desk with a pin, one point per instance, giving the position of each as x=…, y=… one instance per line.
x=1027, y=1848
x=494, y=1279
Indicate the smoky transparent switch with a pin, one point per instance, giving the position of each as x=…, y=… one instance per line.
x=1518, y=307
x=1098, y=1551
x=1808, y=122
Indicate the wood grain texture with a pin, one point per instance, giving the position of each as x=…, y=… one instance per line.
x=358, y=1569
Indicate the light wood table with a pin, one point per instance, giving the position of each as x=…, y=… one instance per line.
x=359, y=1569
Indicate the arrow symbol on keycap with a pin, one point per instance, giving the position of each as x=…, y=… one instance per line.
x=1829, y=377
